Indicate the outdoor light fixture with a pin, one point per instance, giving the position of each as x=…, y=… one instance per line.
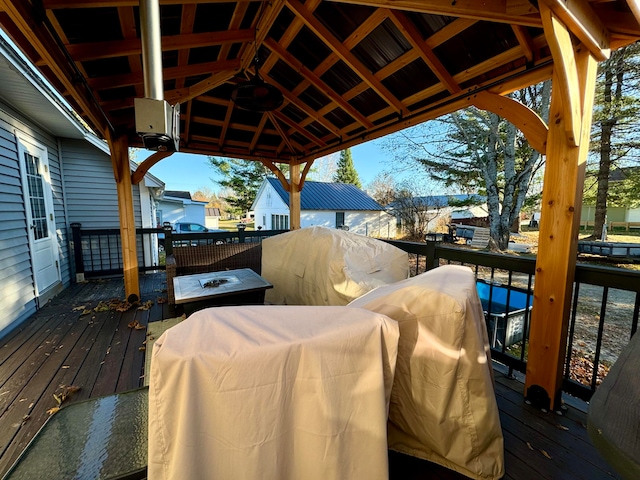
x=257, y=95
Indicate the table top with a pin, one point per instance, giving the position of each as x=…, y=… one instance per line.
x=233, y=388
x=99, y=438
x=206, y=286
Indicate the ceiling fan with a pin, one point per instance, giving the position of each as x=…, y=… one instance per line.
x=256, y=95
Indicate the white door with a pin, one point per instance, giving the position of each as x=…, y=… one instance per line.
x=36, y=182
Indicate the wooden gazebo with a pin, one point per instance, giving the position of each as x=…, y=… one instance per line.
x=349, y=71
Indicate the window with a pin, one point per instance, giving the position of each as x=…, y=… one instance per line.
x=36, y=197
x=279, y=222
x=339, y=219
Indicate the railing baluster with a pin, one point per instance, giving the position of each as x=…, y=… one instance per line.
x=596, y=359
x=572, y=328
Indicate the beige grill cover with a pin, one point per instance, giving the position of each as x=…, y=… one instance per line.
x=325, y=266
x=272, y=392
x=443, y=405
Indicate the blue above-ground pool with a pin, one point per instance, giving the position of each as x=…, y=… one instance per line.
x=506, y=324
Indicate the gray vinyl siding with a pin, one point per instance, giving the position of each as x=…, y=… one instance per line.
x=17, y=290
x=90, y=187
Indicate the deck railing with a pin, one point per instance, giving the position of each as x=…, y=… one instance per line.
x=604, y=312
x=98, y=252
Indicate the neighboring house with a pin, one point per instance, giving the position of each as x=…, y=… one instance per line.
x=442, y=209
x=177, y=206
x=53, y=172
x=622, y=213
x=334, y=205
x=212, y=217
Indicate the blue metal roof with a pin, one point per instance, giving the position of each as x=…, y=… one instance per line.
x=438, y=201
x=328, y=196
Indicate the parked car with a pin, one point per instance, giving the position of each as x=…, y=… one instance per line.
x=190, y=227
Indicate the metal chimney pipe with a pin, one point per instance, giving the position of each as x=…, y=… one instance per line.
x=151, y=49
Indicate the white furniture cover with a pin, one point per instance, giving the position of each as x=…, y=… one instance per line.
x=272, y=392
x=326, y=266
x=443, y=405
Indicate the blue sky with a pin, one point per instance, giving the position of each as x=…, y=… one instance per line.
x=188, y=172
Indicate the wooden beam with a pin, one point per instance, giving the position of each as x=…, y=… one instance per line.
x=55, y=4
x=314, y=80
x=171, y=73
x=558, y=240
x=345, y=54
x=143, y=168
x=565, y=68
x=584, y=23
x=119, y=147
x=294, y=196
x=525, y=41
x=283, y=134
x=433, y=62
x=634, y=6
x=39, y=38
x=181, y=95
x=528, y=121
x=277, y=172
x=514, y=12
x=83, y=52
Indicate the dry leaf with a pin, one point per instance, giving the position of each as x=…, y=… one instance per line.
x=65, y=366
x=529, y=445
x=53, y=410
x=562, y=427
x=545, y=454
x=80, y=308
x=146, y=305
x=25, y=419
x=142, y=348
x=135, y=324
x=161, y=300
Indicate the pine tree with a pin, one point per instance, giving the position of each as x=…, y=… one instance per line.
x=346, y=172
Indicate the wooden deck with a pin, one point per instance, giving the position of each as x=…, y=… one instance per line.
x=98, y=352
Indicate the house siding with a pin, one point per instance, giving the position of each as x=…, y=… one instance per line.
x=17, y=289
x=90, y=187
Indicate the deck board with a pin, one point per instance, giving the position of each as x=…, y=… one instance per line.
x=100, y=354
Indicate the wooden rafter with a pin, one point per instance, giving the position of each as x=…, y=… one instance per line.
x=181, y=95
x=525, y=41
x=413, y=35
x=513, y=12
x=119, y=48
x=345, y=55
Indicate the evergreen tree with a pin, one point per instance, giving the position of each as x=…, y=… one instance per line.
x=346, y=172
x=614, y=137
x=243, y=178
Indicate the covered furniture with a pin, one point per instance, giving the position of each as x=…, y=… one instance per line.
x=443, y=405
x=274, y=392
x=326, y=266
x=211, y=258
x=613, y=421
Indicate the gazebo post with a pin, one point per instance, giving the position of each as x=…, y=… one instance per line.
x=567, y=147
x=294, y=195
x=119, y=147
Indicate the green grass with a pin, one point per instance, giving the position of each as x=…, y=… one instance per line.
x=231, y=225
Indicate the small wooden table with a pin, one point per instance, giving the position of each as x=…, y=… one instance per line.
x=230, y=287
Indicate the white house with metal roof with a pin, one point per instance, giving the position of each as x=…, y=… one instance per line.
x=178, y=206
x=53, y=172
x=333, y=205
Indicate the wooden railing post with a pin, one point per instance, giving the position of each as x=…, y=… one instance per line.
x=168, y=240
x=77, y=251
x=430, y=257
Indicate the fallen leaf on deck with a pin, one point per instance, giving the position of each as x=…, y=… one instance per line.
x=562, y=427
x=135, y=324
x=142, y=348
x=25, y=419
x=86, y=312
x=529, y=445
x=65, y=366
x=545, y=454
x=53, y=410
x=146, y=305
x=161, y=300
x=79, y=308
